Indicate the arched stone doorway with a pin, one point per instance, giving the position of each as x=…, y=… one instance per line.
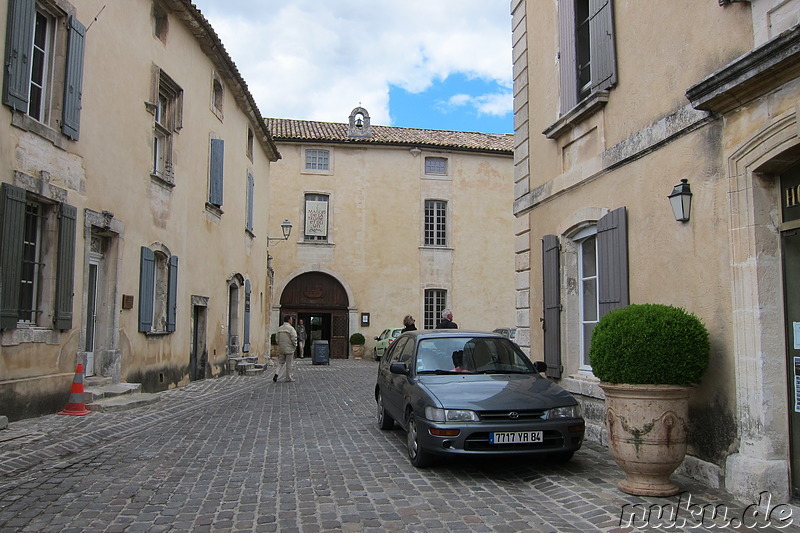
x=322, y=303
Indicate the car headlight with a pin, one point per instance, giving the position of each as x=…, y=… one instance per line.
x=570, y=411
x=450, y=415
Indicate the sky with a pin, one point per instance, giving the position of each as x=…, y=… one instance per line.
x=437, y=64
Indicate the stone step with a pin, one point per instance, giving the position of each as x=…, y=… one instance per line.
x=96, y=392
x=122, y=402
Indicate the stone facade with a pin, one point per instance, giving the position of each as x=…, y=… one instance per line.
x=139, y=183
x=719, y=112
x=375, y=184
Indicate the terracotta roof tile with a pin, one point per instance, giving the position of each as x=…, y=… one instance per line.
x=309, y=131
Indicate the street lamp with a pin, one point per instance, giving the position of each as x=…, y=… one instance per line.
x=681, y=201
x=286, y=228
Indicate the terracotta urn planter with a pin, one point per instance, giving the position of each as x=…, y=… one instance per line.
x=358, y=351
x=647, y=434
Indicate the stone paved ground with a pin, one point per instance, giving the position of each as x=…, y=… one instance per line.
x=246, y=454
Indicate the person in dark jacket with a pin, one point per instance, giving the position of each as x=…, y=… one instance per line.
x=447, y=321
x=408, y=323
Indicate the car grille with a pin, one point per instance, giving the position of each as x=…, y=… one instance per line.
x=480, y=442
x=499, y=417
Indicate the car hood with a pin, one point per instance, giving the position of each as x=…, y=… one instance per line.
x=486, y=392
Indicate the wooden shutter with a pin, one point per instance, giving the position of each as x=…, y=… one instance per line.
x=601, y=35
x=12, y=218
x=217, y=160
x=172, y=293
x=250, y=191
x=612, y=259
x=19, y=42
x=65, y=272
x=246, y=332
x=551, y=300
x=73, y=81
x=147, y=270
x=568, y=68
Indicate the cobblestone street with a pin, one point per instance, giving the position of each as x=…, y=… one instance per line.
x=246, y=454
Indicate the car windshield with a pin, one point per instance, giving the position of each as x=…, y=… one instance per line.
x=396, y=333
x=476, y=355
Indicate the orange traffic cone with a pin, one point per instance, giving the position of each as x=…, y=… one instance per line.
x=75, y=405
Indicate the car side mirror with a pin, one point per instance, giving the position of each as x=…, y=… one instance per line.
x=540, y=366
x=398, y=368
x=376, y=338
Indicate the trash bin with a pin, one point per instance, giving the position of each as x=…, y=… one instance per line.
x=320, y=353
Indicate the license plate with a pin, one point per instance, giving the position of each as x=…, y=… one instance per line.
x=515, y=437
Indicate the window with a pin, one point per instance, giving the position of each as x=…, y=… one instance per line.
x=44, y=65
x=250, y=143
x=436, y=166
x=587, y=289
x=167, y=109
x=216, y=172
x=316, y=219
x=435, y=223
x=435, y=303
x=160, y=22
x=317, y=159
x=36, y=277
x=217, y=95
x=601, y=270
x=158, y=287
x=587, y=59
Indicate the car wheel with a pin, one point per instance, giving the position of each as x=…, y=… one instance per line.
x=385, y=420
x=418, y=457
x=562, y=457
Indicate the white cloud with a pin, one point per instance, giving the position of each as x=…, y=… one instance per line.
x=316, y=60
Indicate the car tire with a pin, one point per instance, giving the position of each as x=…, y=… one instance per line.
x=418, y=457
x=385, y=420
x=561, y=457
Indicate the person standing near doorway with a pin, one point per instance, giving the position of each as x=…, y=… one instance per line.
x=287, y=344
x=447, y=321
x=301, y=338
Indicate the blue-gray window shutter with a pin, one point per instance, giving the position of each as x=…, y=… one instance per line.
x=246, y=340
x=551, y=300
x=19, y=43
x=568, y=69
x=251, y=184
x=73, y=81
x=65, y=271
x=612, y=260
x=217, y=160
x=12, y=218
x=172, y=293
x=601, y=35
x=147, y=271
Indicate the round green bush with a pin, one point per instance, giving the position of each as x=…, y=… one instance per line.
x=649, y=344
x=357, y=338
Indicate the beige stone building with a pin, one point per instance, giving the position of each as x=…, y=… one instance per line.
x=616, y=103
x=135, y=193
x=387, y=222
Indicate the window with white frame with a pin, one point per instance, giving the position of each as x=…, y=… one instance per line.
x=158, y=287
x=316, y=217
x=436, y=166
x=318, y=160
x=587, y=57
x=586, y=243
x=435, y=301
x=37, y=260
x=167, y=108
x=435, y=229
x=43, y=42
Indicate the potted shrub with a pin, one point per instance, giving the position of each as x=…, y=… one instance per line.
x=357, y=342
x=648, y=357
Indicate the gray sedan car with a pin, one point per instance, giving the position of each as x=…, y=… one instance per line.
x=459, y=393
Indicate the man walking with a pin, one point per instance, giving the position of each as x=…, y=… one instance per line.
x=287, y=344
